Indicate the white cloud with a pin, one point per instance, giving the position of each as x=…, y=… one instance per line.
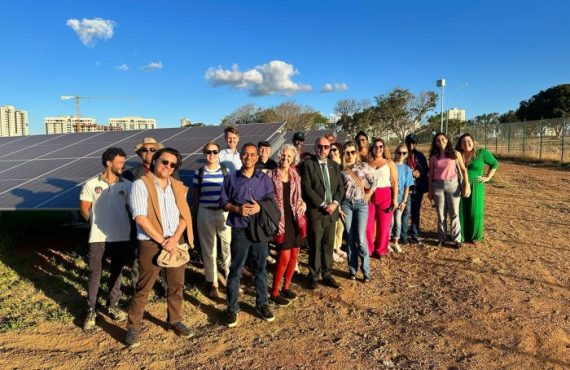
x=98, y=63
x=330, y=87
x=123, y=67
x=266, y=79
x=89, y=30
x=153, y=66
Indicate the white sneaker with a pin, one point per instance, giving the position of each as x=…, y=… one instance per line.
x=271, y=260
x=397, y=248
x=390, y=249
x=337, y=258
x=341, y=253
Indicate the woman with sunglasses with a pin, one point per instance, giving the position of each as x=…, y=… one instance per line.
x=471, y=210
x=444, y=188
x=383, y=201
x=359, y=185
x=338, y=254
x=206, y=192
x=405, y=180
x=292, y=224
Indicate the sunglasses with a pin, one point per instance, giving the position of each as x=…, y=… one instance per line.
x=146, y=150
x=166, y=163
x=350, y=152
x=323, y=147
x=214, y=152
x=402, y=153
x=334, y=149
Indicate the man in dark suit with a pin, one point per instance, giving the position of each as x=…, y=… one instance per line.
x=322, y=191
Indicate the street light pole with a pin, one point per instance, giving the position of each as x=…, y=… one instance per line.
x=448, y=99
x=441, y=83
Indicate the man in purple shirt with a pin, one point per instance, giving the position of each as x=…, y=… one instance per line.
x=240, y=195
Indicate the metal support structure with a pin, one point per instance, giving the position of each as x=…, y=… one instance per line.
x=540, y=138
x=509, y=139
x=524, y=137
x=562, y=140
x=441, y=83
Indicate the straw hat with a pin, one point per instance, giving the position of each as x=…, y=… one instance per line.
x=149, y=140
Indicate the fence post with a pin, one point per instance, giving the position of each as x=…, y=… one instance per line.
x=496, y=137
x=509, y=139
x=562, y=140
x=524, y=136
x=540, y=138
x=485, y=135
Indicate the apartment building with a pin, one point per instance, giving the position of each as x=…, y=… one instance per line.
x=13, y=122
x=132, y=123
x=66, y=125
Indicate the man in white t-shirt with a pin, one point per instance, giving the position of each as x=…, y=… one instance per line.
x=104, y=202
x=230, y=157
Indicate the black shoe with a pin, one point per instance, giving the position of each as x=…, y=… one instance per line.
x=265, y=313
x=366, y=279
x=132, y=338
x=440, y=244
x=313, y=284
x=90, y=321
x=352, y=277
x=457, y=245
x=289, y=294
x=231, y=319
x=331, y=282
x=280, y=301
x=181, y=330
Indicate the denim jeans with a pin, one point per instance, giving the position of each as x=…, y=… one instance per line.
x=401, y=222
x=356, y=218
x=412, y=210
x=241, y=247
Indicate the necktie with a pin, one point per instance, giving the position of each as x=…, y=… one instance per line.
x=328, y=193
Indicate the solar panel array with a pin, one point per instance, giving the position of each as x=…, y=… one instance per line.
x=47, y=171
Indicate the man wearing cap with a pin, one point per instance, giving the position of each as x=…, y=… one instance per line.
x=103, y=201
x=299, y=142
x=322, y=191
x=265, y=163
x=230, y=157
x=159, y=207
x=418, y=163
x=145, y=151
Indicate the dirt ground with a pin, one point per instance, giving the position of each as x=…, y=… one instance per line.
x=503, y=304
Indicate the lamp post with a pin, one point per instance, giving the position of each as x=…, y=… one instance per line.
x=441, y=83
x=449, y=98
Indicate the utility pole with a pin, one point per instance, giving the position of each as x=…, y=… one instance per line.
x=441, y=83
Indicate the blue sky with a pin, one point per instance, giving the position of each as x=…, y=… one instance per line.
x=506, y=51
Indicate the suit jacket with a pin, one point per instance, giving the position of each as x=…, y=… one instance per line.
x=313, y=187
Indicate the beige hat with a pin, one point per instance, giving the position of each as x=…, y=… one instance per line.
x=149, y=140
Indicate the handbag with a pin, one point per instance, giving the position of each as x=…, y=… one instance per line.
x=178, y=257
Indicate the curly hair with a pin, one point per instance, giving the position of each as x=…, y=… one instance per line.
x=111, y=153
x=292, y=148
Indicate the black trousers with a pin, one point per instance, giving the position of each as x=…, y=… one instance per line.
x=118, y=252
x=321, y=244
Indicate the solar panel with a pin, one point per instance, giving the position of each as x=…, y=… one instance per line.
x=47, y=171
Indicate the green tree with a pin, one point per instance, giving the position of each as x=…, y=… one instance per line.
x=248, y=113
x=401, y=112
x=550, y=103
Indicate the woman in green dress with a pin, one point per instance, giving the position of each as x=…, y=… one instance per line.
x=471, y=210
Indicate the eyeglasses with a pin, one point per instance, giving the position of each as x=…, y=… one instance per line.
x=166, y=163
x=323, y=147
x=145, y=150
x=402, y=153
x=208, y=152
x=334, y=149
x=350, y=152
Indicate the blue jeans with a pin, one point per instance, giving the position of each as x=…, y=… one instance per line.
x=413, y=210
x=241, y=247
x=402, y=222
x=356, y=218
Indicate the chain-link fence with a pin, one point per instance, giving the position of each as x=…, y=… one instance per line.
x=543, y=139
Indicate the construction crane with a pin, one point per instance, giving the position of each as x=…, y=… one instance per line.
x=77, y=124
x=78, y=127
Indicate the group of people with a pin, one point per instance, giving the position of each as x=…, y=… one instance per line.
x=352, y=192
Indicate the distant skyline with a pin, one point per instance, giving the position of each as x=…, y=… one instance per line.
x=202, y=60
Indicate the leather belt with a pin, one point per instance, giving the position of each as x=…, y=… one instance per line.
x=214, y=208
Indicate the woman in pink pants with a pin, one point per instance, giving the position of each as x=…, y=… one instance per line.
x=384, y=200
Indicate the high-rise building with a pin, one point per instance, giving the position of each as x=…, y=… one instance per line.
x=185, y=122
x=66, y=125
x=456, y=113
x=13, y=122
x=132, y=123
